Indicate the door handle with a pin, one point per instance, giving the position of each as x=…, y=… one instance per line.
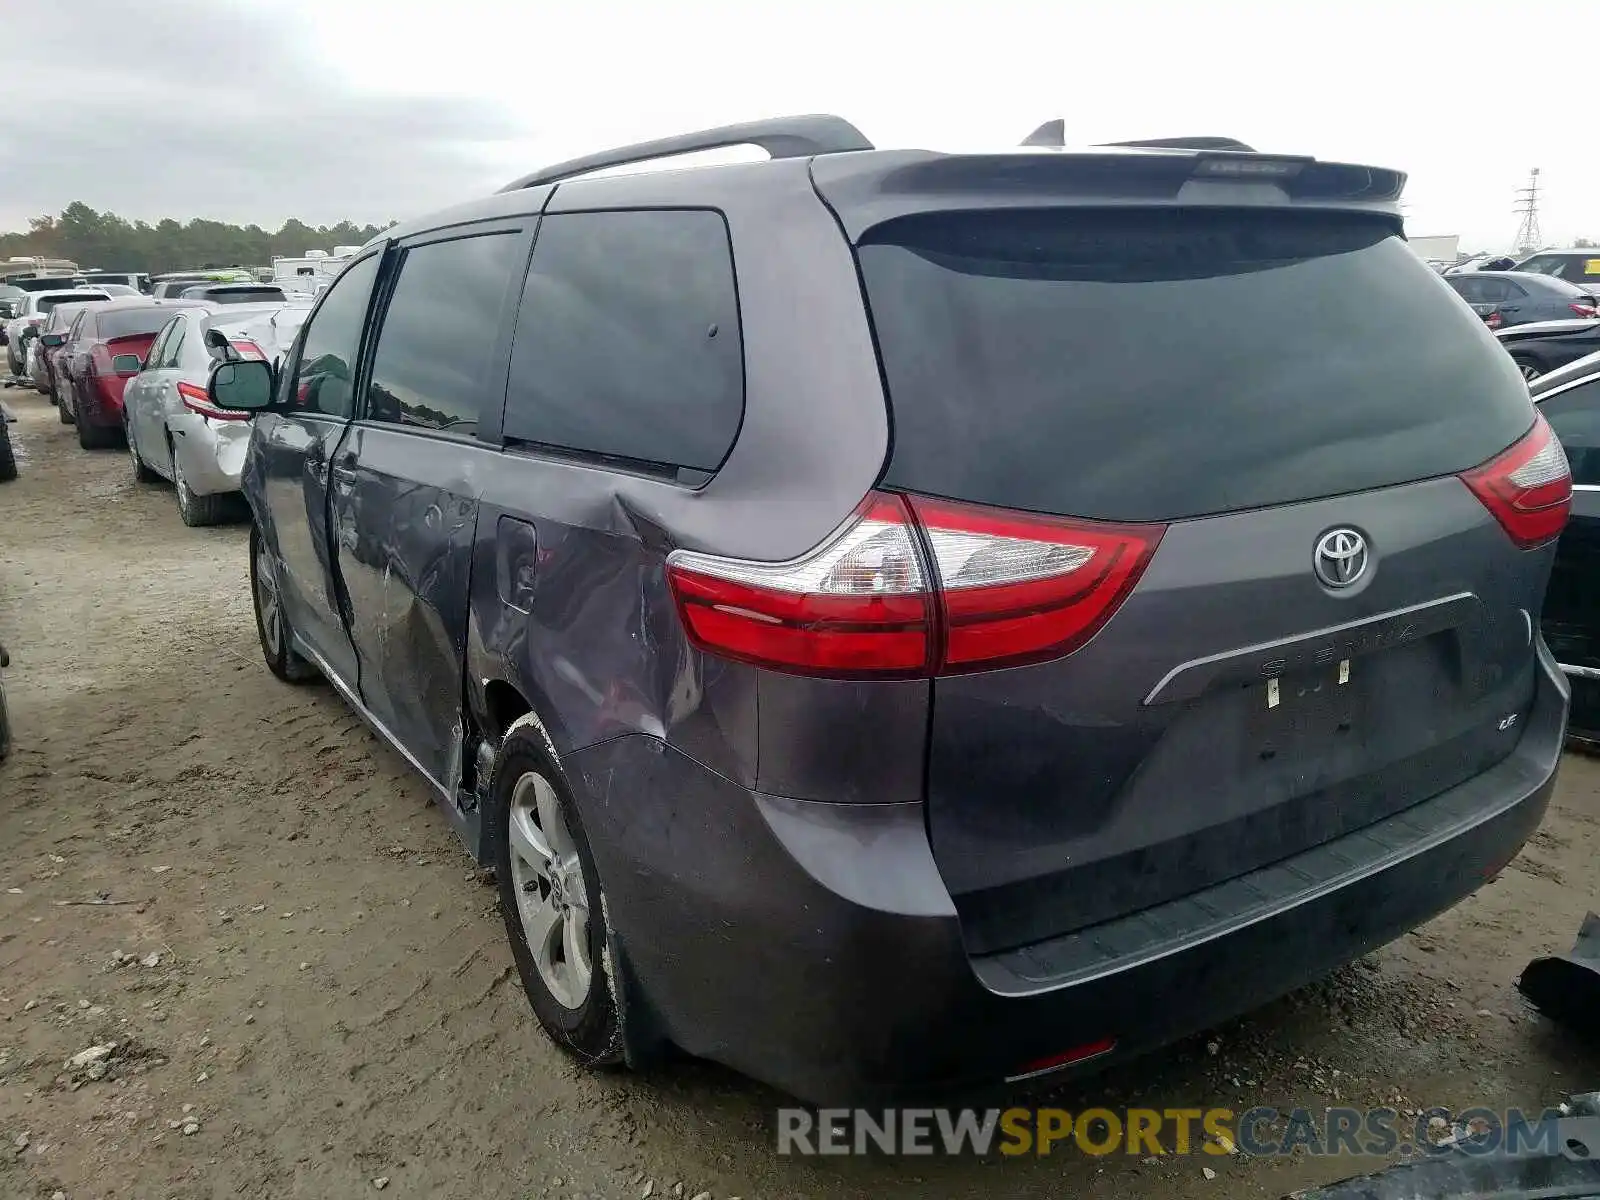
x=344, y=469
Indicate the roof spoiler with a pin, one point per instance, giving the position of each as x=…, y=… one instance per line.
x=781, y=137
x=1054, y=133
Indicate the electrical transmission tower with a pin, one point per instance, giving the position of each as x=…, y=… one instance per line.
x=1528, y=237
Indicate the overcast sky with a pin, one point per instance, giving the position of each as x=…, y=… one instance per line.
x=257, y=110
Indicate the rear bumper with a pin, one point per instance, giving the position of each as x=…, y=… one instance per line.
x=212, y=451
x=813, y=946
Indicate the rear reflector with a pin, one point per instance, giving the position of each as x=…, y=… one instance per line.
x=1003, y=589
x=1055, y=1062
x=196, y=401
x=1528, y=488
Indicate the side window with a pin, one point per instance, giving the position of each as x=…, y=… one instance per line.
x=322, y=379
x=172, y=351
x=84, y=327
x=1575, y=416
x=1544, y=264
x=628, y=340
x=152, y=358
x=1493, y=291
x=438, y=333
x=1469, y=289
x=1514, y=291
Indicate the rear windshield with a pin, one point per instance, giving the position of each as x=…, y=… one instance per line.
x=47, y=303
x=133, y=322
x=243, y=295
x=1159, y=365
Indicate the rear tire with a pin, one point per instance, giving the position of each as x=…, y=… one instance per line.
x=553, y=906
x=8, y=457
x=93, y=437
x=1531, y=369
x=272, y=625
x=196, y=510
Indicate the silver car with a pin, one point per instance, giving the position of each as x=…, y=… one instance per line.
x=173, y=431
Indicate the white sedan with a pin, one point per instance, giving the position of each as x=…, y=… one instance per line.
x=173, y=430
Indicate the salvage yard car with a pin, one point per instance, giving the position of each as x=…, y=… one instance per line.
x=1113, y=696
x=173, y=430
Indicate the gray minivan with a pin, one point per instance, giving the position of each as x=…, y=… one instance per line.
x=898, y=620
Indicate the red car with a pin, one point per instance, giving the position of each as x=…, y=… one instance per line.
x=105, y=349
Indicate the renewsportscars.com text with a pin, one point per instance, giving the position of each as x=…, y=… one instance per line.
x=1260, y=1131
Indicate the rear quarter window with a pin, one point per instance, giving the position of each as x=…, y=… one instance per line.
x=1152, y=366
x=628, y=343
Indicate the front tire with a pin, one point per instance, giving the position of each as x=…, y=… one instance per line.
x=62, y=415
x=553, y=906
x=141, y=473
x=272, y=624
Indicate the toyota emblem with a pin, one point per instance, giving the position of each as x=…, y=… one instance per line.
x=1341, y=557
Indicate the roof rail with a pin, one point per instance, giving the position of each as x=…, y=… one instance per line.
x=1190, y=143
x=781, y=137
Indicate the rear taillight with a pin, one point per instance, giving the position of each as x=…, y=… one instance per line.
x=248, y=350
x=857, y=606
x=1494, y=320
x=1584, y=308
x=196, y=401
x=1016, y=588
x=1002, y=589
x=1528, y=488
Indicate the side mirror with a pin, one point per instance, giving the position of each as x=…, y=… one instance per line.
x=241, y=386
x=30, y=332
x=221, y=348
x=126, y=364
x=52, y=340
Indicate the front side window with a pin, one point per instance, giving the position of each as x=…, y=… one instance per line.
x=628, y=342
x=323, y=378
x=435, y=348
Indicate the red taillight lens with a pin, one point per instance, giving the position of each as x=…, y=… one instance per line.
x=855, y=607
x=1494, y=320
x=1004, y=589
x=1528, y=488
x=1584, y=308
x=196, y=401
x=248, y=350
x=1017, y=588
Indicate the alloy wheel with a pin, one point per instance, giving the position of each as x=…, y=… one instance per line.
x=552, y=898
x=269, y=605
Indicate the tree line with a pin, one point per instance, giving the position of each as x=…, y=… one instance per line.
x=113, y=243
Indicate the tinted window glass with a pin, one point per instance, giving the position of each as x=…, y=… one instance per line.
x=133, y=322
x=628, y=339
x=435, y=348
x=1575, y=416
x=324, y=376
x=1151, y=366
x=1470, y=290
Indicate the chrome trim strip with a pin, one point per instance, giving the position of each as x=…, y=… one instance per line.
x=1566, y=387
x=1579, y=672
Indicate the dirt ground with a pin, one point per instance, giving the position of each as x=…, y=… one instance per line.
x=309, y=987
